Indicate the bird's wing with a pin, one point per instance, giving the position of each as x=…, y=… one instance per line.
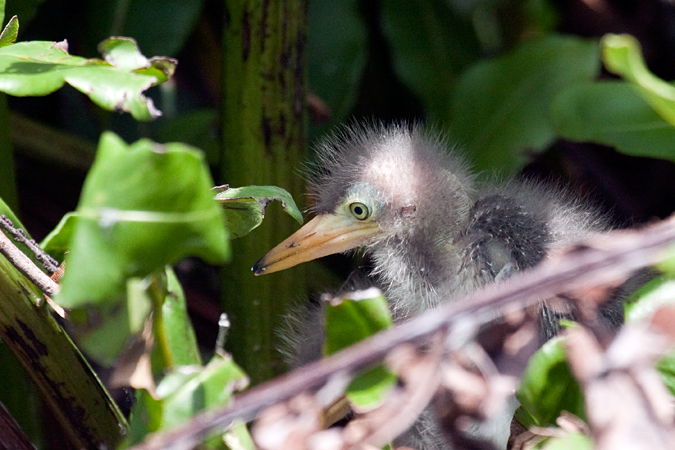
x=502, y=237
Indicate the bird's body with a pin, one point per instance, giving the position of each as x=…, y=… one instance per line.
x=432, y=232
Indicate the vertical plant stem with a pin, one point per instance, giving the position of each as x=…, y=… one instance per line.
x=7, y=177
x=264, y=136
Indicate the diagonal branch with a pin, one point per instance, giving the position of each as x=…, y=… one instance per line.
x=603, y=259
x=24, y=264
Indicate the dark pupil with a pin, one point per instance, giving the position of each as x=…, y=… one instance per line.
x=358, y=210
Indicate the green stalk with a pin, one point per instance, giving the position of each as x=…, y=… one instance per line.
x=7, y=177
x=264, y=137
x=67, y=383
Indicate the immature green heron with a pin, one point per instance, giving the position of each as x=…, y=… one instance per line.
x=433, y=233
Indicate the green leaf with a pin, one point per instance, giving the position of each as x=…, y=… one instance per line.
x=336, y=49
x=571, y=441
x=102, y=334
x=39, y=68
x=174, y=336
x=10, y=33
x=57, y=242
x=245, y=207
x=431, y=44
x=500, y=108
x=668, y=264
x=184, y=392
x=192, y=389
x=237, y=437
x=613, y=113
x=547, y=386
x=655, y=294
x=142, y=207
x=350, y=320
x=622, y=55
x=642, y=305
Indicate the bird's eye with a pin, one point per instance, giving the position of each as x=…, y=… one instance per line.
x=359, y=210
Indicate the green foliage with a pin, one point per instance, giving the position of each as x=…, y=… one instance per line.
x=500, y=107
x=431, y=45
x=10, y=32
x=39, y=68
x=622, y=55
x=337, y=53
x=641, y=306
x=183, y=393
x=547, y=387
x=501, y=88
x=571, y=441
x=142, y=206
x=245, y=207
x=613, y=113
x=350, y=320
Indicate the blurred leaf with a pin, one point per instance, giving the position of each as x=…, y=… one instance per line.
x=547, y=386
x=103, y=333
x=39, y=68
x=238, y=438
x=160, y=26
x=174, y=336
x=500, y=108
x=142, y=207
x=10, y=32
x=642, y=305
x=668, y=264
x=613, y=113
x=622, y=55
x=193, y=388
x=666, y=369
x=245, y=207
x=57, y=242
x=431, y=44
x=571, y=441
x=655, y=294
x=336, y=51
x=184, y=392
x=352, y=319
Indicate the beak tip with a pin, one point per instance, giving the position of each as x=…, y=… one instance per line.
x=258, y=268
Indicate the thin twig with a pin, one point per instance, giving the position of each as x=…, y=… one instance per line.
x=24, y=265
x=604, y=259
x=50, y=264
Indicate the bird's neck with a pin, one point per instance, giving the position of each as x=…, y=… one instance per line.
x=417, y=272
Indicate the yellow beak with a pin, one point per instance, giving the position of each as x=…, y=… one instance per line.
x=324, y=235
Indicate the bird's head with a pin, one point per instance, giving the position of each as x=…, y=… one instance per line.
x=375, y=186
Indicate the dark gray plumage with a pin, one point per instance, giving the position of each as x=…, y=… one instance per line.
x=433, y=233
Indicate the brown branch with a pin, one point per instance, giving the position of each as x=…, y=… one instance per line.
x=24, y=265
x=604, y=259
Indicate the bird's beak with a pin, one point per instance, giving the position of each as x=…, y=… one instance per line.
x=324, y=235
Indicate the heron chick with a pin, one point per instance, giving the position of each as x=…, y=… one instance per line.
x=434, y=234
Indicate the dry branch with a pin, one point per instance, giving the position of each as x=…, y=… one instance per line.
x=605, y=259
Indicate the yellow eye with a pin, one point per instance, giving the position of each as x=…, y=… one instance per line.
x=359, y=210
